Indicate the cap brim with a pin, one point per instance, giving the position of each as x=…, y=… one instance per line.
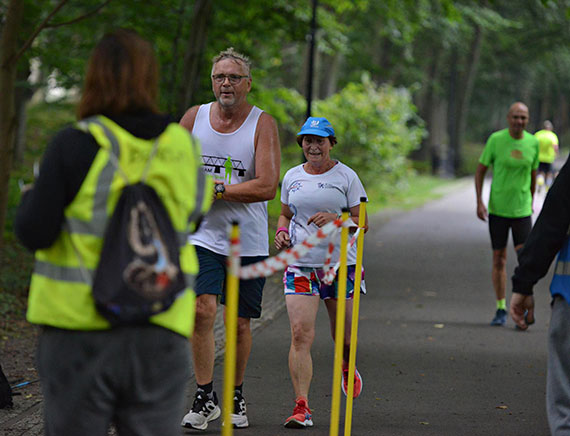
x=313, y=132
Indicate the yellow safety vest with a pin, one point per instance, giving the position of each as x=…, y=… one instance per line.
x=60, y=290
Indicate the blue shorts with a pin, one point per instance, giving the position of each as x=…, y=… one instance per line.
x=300, y=280
x=212, y=276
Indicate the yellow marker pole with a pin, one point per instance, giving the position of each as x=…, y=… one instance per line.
x=339, y=331
x=355, y=314
x=232, y=294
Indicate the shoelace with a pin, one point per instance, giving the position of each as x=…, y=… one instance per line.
x=301, y=408
x=199, y=402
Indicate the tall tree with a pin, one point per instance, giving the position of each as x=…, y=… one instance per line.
x=9, y=46
x=12, y=50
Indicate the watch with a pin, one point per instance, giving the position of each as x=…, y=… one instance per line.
x=219, y=189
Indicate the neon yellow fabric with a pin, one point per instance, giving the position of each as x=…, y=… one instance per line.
x=547, y=139
x=513, y=161
x=60, y=294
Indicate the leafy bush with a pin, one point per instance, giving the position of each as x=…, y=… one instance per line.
x=376, y=127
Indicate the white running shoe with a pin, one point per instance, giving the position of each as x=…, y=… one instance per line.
x=204, y=409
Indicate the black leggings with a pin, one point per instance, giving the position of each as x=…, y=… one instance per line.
x=499, y=230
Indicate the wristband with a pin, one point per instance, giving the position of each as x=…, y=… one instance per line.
x=282, y=229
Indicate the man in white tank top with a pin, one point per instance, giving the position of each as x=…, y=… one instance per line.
x=240, y=147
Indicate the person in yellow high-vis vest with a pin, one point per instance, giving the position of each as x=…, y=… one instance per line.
x=93, y=374
x=547, y=152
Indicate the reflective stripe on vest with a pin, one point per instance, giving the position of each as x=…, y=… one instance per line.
x=562, y=268
x=96, y=227
x=560, y=284
x=77, y=275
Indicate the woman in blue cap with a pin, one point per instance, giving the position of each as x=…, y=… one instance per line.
x=312, y=195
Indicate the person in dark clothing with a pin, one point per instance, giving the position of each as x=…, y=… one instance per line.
x=549, y=236
x=93, y=373
x=5, y=391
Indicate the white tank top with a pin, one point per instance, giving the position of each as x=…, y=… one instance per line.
x=231, y=157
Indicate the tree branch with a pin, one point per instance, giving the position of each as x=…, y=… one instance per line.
x=82, y=17
x=33, y=36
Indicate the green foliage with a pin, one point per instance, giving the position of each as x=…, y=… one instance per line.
x=471, y=154
x=286, y=105
x=376, y=127
x=15, y=272
x=44, y=121
x=288, y=108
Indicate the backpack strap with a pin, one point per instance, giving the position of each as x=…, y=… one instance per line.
x=114, y=153
x=115, y=150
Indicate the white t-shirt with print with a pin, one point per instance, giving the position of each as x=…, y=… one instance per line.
x=306, y=194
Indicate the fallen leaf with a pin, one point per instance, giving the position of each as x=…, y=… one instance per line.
x=424, y=423
x=502, y=407
x=439, y=326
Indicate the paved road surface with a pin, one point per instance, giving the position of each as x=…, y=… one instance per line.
x=431, y=363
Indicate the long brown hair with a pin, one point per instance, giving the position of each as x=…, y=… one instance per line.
x=122, y=76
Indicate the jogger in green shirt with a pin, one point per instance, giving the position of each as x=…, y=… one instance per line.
x=513, y=154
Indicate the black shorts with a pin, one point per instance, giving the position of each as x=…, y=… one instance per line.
x=499, y=230
x=211, y=279
x=545, y=167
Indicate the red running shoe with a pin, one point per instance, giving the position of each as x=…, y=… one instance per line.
x=301, y=416
x=357, y=382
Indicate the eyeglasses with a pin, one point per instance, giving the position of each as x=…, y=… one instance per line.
x=233, y=78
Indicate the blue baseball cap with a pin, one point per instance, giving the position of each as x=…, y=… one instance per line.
x=318, y=126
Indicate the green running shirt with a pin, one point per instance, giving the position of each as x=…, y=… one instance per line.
x=513, y=161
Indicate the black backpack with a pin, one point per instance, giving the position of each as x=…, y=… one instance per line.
x=138, y=274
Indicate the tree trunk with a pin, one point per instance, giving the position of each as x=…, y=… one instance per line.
x=23, y=94
x=561, y=117
x=465, y=94
x=173, y=75
x=428, y=110
x=452, y=100
x=194, y=53
x=460, y=97
x=8, y=50
x=329, y=68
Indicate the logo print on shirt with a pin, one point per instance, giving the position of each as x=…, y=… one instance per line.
x=516, y=154
x=213, y=165
x=228, y=168
x=325, y=186
x=295, y=186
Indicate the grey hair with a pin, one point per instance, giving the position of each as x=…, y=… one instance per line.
x=230, y=53
x=547, y=125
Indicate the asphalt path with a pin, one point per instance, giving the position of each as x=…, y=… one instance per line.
x=431, y=363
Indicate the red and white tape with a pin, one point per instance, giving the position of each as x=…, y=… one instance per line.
x=269, y=266
x=331, y=272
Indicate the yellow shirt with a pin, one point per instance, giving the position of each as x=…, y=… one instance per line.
x=546, y=142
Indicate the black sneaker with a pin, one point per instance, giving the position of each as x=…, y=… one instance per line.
x=204, y=409
x=239, y=417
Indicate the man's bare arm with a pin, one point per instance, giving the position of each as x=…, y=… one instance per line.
x=479, y=178
x=267, y=163
x=189, y=117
